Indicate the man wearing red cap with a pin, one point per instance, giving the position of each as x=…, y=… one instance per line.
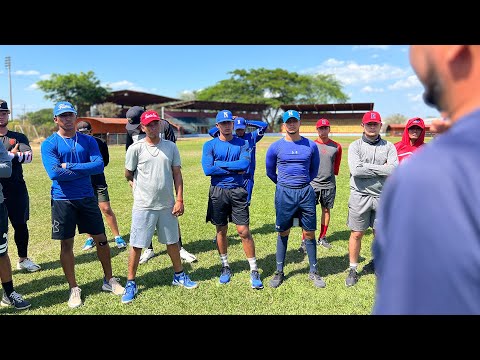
x=370, y=159
x=324, y=183
x=153, y=170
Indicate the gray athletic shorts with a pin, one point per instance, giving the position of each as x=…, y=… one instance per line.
x=362, y=211
x=144, y=223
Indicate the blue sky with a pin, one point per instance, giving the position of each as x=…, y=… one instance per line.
x=370, y=73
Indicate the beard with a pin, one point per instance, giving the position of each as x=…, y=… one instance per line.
x=433, y=89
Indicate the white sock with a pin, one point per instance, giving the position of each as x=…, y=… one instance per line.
x=253, y=263
x=224, y=259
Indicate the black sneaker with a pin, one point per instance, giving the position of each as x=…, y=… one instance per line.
x=303, y=248
x=369, y=268
x=277, y=279
x=317, y=280
x=352, y=277
x=16, y=300
x=323, y=242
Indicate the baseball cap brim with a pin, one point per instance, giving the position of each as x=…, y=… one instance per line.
x=131, y=127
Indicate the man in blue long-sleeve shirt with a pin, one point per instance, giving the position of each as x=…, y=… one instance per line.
x=69, y=158
x=292, y=163
x=225, y=159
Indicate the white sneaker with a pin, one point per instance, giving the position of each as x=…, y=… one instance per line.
x=185, y=255
x=113, y=286
x=147, y=255
x=28, y=264
x=75, y=299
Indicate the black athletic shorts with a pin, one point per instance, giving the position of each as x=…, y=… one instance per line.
x=225, y=203
x=3, y=229
x=67, y=214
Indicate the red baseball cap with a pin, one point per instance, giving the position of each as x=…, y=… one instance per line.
x=322, y=122
x=371, y=116
x=149, y=116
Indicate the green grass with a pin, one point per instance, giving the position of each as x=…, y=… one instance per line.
x=47, y=289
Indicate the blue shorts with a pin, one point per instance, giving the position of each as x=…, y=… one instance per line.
x=295, y=202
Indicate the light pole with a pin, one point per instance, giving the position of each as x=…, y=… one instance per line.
x=8, y=65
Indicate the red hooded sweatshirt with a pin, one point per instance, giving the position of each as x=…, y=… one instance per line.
x=404, y=149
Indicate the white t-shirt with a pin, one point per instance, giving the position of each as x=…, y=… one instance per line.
x=153, y=186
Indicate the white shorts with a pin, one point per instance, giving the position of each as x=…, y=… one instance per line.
x=144, y=223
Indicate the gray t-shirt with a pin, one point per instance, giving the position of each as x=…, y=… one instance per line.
x=153, y=176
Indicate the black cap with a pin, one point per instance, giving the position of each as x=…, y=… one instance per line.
x=134, y=114
x=4, y=105
x=84, y=126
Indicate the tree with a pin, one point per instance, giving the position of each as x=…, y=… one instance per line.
x=40, y=117
x=395, y=119
x=109, y=110
x=82, y=90
x=274, y=88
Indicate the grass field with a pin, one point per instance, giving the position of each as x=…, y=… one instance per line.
x=48, y=292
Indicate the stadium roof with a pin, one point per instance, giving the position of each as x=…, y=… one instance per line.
x=137, y=98
x=215, y=105
x=329, y=107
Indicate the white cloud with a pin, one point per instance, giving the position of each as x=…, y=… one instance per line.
x=31, y=87
x=409, y=82
x=364, y=47
x=352, y=73
x=45, y=76
x=26, y=72
x=415, y=97
x=123, y=84
x=369, y=89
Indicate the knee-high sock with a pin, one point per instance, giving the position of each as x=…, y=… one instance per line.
x=282, y=242
x=311, y=246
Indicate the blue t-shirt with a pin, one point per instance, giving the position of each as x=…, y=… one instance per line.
x=83, y=158
x=224, y=161
x=427, y=245
x=292, y=163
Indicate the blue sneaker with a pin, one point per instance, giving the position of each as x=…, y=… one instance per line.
x=184, y=280
x=120, y=242
x=130, y=292
x=255, y=280
x=225, y=275
x=89, y=244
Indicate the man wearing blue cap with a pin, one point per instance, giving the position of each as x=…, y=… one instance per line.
x=70, y=158
x=225, y=159
x=239, y=127
x=292, y=163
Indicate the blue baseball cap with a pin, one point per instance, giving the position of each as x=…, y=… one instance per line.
x=63, y=107
x=224, y=115
x=240, y=123
x=290, y=114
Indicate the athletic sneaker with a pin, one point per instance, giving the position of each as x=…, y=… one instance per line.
x=317, y=279
x=120, y=242
x=352, y=277
x=75, y=299
x=185, y=255
x=277, y=279
x=28, y=264
x=255, y=280
x=369, y=268
x=303, y=248
x=147, y=255
x=323, y=241
x=184, y=280
x=16, y=300
x=130, y=292
x=89, y=244
x=112, y=285
x=225, y=275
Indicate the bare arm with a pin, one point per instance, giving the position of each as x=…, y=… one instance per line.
x=178, y=208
